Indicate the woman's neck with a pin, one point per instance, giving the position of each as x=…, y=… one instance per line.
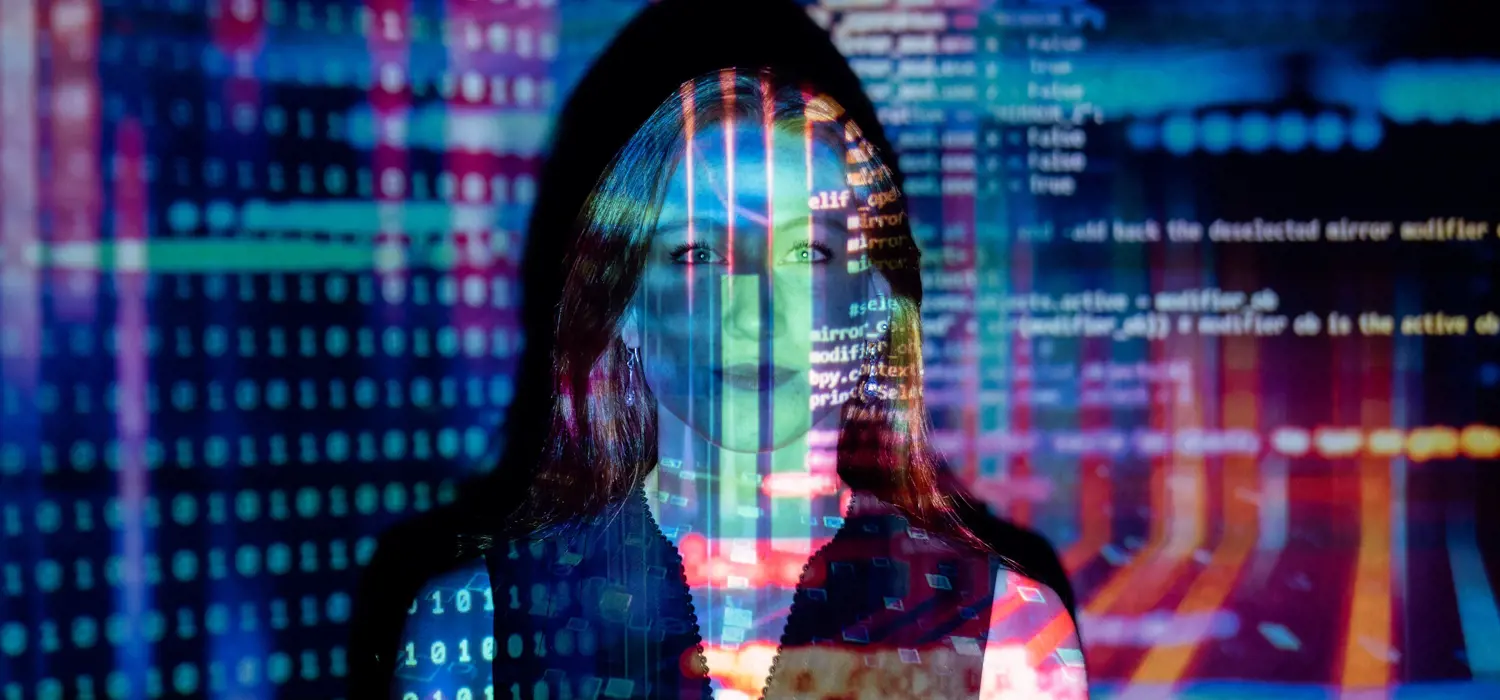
x=744, y=546
x=700, y=487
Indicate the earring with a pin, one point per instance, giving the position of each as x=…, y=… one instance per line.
x=630, y=364
x=870, y=383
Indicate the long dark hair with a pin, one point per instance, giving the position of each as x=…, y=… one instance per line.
x=598, y=446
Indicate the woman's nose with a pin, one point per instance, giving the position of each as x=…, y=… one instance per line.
x=751, y=310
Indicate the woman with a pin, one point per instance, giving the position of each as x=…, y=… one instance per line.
x=746, y=228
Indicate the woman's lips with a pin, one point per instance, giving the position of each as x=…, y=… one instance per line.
x=748, y=376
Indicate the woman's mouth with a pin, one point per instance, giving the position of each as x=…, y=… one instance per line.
x=754, y=377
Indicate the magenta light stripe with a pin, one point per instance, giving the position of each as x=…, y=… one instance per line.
x=390, y=105
x=75, y=192
x=20, y=284
x=132, y=421
x=689, y=106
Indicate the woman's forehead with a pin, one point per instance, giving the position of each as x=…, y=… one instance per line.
x=801, y=162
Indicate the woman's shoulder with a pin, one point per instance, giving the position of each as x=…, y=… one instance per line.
x=925, y=604
x=449, y=624
x=1032, y=640
x=882, y=544
x=428, y=553
x=1014, y=591
x=447, y=638
x=1022, y=550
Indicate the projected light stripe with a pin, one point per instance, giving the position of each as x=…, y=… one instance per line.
x=132, y=418
x=650, y=341
x=1406, y=390
x=1095, y=494
x=469, y=164
x=1022, y=275
x=1239, y=473
x=74, y=196
x=21, y=293
x=789, y=520
x=1367, y=650
x=1177, y=493
x=1477, y=611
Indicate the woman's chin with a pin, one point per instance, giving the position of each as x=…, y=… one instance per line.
x=753, y=446
x=750, y=442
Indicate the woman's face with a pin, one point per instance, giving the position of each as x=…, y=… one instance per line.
x=749, y=261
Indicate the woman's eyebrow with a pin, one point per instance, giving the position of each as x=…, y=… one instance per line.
x=700, y=221
x=834, y=219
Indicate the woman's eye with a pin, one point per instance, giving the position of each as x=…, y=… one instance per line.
x=696, y=254
x=700, y=254
x=809, y=253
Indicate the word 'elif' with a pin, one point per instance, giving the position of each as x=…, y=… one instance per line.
x=828, y=200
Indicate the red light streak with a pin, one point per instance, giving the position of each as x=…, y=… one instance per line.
x=799, y=485
x=758, y=562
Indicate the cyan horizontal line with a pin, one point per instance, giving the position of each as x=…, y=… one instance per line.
x=207, y=256
x=336, y=217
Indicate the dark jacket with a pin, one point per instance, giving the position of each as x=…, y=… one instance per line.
x=668, y=43
x=604, y=610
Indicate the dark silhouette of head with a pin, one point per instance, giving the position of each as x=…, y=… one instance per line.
x=665, y=46
x=668, y=44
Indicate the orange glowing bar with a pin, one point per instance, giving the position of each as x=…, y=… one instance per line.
x=799, y=485
x=1386, y=442
x=1418, y=444
x=1058, y=630
x=1480, y=442
x=1338, y=443
x=743, y=668
x=1370, y=612
x=1424, y=444
x=755, y=561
